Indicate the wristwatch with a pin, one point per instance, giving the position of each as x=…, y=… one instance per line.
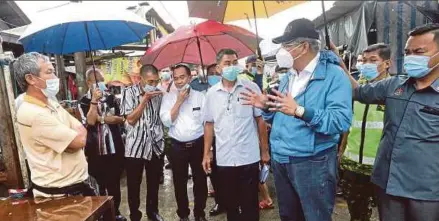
x=102, y=119
x=299, y=111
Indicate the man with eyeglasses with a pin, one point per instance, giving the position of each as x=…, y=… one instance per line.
x=312, y=107
x=144, y=145
x=240, y=137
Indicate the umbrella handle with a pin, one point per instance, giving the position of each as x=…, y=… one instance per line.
x=258, y=49
x=328, y=41
x=91, y=54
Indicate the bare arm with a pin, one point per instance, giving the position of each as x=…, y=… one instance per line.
x=263, y=139
x=354, y=83
x=180, y=100
x=134, y=116
x=208, y=141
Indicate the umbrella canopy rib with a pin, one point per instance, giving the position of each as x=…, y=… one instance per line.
x=64, y=36
x=100, y=36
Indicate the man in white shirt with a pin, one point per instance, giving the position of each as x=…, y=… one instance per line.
x=181, y=111
x=240, y=138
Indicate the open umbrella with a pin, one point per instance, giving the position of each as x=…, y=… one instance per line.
x=199, y=44
x=77, y=27
x=226, y=11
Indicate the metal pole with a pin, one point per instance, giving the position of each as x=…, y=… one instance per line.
x=201, y=57
x=91, y=54
x=328, y=42
x=258, y=50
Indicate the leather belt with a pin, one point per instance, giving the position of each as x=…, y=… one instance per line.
x=188, y=144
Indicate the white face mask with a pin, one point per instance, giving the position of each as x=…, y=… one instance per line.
x=285, y=59
x=52, y=88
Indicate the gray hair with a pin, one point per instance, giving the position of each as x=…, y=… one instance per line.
x=90, y=72
x=27, y=64
x=314, y=44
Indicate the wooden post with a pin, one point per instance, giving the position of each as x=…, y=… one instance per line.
x=81, y=68
x=8, y=141
x=60, y=70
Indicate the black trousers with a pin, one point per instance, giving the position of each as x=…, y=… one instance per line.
x=393, y=208
x=239, y=190
x=182, y=156
x=214, y=176
x=134, y=168
x=107, y=170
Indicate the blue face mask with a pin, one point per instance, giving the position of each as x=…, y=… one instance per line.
x=230, y=73
x=166, y=75
x=213, y=79
x=254, y=71
x=416, y=66
x=102, y=86
x=369, y=71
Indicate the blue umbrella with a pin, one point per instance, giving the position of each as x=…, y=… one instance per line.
x=77, y=27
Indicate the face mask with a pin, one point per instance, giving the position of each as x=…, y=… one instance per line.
x=52, y=88
x=369, y=71
x=416, y=66
x=230, y=73
x=102, y=86
x=285, y=59
x=186, y=86
x=358, y=65
x=254, y=71
x=149, y=88
x=166, y=76
x=213, y=79
x=281, y=75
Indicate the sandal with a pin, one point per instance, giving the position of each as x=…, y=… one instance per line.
x=264, y=205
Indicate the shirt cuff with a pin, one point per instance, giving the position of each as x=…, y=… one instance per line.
x=308, y=115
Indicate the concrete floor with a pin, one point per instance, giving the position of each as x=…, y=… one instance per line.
x=167, y=204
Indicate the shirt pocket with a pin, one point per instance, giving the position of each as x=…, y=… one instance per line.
x=243, y=111
x=196, y=112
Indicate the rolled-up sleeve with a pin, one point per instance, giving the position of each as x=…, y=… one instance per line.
x=373, y=93
x=165, y=110
x=336, y=117
x=49, y=132
x=127, y=101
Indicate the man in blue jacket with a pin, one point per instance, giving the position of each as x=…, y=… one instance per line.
x=309, y=112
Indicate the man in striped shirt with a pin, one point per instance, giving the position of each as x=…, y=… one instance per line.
x=144, y=142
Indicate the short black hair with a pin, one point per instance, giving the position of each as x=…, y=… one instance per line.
x=211, y=66
x=384, y=50
x=149, y=68
x=185, y=66
x=427, y=28
x=226, y=51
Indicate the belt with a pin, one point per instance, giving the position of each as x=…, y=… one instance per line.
x=188, y=144
x=78, y=187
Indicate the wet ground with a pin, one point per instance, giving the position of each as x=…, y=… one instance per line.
x=168, y=206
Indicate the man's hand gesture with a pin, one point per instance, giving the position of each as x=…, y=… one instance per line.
x=254, y=99
x=149, y=95
x=282, y=103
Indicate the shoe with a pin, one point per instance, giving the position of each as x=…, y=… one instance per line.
x=155, y=217
x=184, y=219
x=216, y=210
x=200, y=219
x=168, y=166
x=120, y=218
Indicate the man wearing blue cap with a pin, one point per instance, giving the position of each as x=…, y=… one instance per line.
x=312, y=107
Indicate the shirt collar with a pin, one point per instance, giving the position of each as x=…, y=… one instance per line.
x=220, y=86
x=37, y=102
x=434, y=85
x=310, y=68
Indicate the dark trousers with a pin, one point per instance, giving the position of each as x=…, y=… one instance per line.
x=305, y=186
x=107, y=170
x=393, y=208
x=214, y=176
x=134, y=168
x=183, y=155
x=239, y=191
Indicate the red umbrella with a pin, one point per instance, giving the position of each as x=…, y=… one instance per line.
x=199, y=44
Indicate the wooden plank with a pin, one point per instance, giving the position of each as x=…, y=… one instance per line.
x=7, y=134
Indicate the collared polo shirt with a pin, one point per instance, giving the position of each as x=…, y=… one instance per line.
x=236, y=133
x=46, y=131
x=407, y=161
